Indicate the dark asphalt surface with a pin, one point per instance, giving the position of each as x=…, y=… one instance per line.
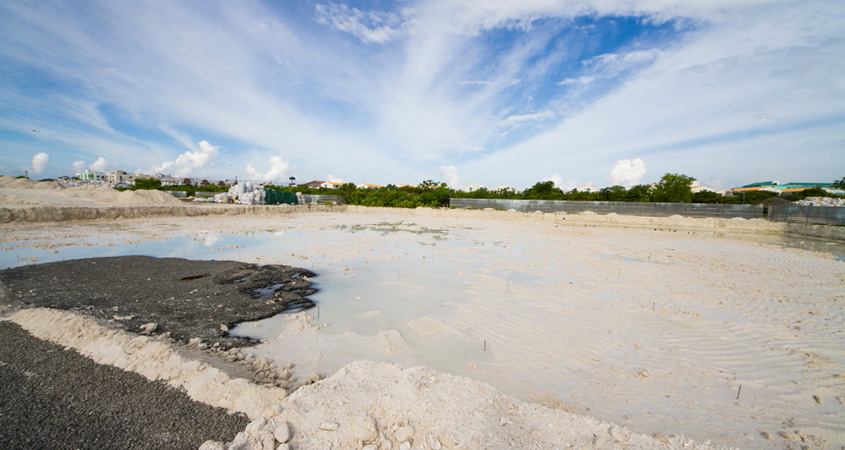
x=52, y=398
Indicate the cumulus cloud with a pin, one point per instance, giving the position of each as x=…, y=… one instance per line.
x=39, y=162
x=78, y=166
x=279, y=170
x=100, y=165
x=188, y=162
x=565, y=184
x=333, y=179
x=368, y=26
x=627, y=172
x=450, y=173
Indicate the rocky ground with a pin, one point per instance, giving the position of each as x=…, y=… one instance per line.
x=53, y=398
x=187, y=299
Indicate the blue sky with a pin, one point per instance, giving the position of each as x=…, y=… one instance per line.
x=467, y=92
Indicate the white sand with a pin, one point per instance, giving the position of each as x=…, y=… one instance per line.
x=155, y=359
x=652, y=324
x=15, y=192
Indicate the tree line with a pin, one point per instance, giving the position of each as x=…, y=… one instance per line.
x=672, y=188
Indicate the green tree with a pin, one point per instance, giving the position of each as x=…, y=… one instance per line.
x=543, y=190
x=147, y=183
x=638, y=193
x=708, y=197
x=613, y=194
x=839, y=184
x=675, y=188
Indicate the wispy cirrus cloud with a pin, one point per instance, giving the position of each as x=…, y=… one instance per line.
x=368, y=26
x=396, y=92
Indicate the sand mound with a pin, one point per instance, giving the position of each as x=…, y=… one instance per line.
x=107, y=195
x=48, y=185
x=148, y=198
x=155, y=359
x=365, y=403
x=379, y=405
x=11, y=199
x=20, y=183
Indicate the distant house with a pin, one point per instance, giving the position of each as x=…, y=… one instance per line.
x=587, y=188
x=775, y=187
x=91, y=176
x=701, y=188
x=120, y=177
x=316, y=184
x=331, y=184
x=472, y=188
x=166, y=180
x=504, y=187
x=368, y=186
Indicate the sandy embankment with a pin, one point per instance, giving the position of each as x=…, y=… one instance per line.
x=24, y=200
x=365, y=405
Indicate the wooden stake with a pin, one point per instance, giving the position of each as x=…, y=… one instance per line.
x=738, y=391
x=485, y=345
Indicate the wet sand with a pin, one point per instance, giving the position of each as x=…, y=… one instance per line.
x=650, y=324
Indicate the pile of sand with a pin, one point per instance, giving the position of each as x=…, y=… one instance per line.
x=23, y=191
x=382, y=406
x=364, y=405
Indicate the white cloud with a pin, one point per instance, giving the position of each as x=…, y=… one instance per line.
x=627, y=172
x=40, y=162
x=450, y=173
x=370, y=26
x=583, y=80
x=78, y=166
x=187, y=163
x=334, y=179
x=100, y=165
x=565, y=184
x=518, y=119
x=278, y=173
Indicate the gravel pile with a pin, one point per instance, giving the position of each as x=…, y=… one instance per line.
x=52, y=398
x=187, y=299
x=821, y=201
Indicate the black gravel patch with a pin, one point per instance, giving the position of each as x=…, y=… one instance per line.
x=185, y=298
x=52, y=398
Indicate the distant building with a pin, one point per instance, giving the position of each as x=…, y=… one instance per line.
x=316, y=184
x=368, y=186
x=504, y=187
x=166, y=180
x=91, y=176
x=472, y=188
x=331, y=184
x=587, y=188
x=701, y=188
x=780, y=189
x=120, y=177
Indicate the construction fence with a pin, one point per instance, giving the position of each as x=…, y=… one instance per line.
x=631, y=209
x=323, y=199
x=821, y=215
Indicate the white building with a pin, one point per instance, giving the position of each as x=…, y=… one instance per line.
x=472, y=188
x=504, y=187
x=91, y=176
x=120, y=177
x=587, y=188
x=368, y=186
x=331, y=184
x=702, y=188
